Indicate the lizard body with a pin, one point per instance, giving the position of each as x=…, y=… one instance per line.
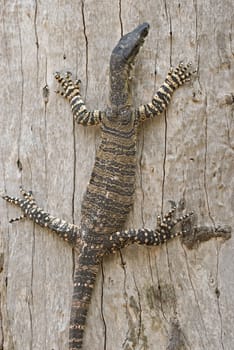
x=109, y=195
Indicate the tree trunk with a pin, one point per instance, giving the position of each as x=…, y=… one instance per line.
x=172, y=297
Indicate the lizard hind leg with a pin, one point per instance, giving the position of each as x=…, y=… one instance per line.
x=166, y=230
x=68, y=232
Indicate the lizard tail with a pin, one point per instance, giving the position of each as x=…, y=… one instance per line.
x=84, y=281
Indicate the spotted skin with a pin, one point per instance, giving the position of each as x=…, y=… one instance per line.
x=66, y=231
x=109, y=194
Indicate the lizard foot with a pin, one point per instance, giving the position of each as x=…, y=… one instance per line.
x=181, y=74
x=69, y=87
x=27, y=202
x=166, y=225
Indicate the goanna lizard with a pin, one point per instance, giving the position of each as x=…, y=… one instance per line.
x=109, y=195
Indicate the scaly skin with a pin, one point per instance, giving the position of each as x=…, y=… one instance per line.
x=109, y=195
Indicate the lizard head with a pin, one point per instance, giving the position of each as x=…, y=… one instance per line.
x=122, y=58
x=129, y=45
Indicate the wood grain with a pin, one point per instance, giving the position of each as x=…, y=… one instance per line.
x=155, y=298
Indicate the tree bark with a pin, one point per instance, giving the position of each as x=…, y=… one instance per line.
x=178, y=296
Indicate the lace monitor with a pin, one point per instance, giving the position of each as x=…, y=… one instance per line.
x=109, y=195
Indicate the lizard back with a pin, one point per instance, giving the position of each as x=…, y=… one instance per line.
x=109, y=195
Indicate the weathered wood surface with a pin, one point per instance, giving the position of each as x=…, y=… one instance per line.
x=143, y=296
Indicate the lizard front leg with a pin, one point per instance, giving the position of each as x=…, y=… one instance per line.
x=64, y=230
x=175, y=78
x=71, y=91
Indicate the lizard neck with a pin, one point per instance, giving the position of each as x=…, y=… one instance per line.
x=120, y=97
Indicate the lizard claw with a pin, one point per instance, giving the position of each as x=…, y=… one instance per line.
x=22, y=203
